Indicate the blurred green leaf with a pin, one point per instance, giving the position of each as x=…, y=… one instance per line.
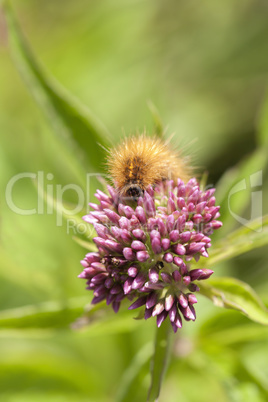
x=80, y=131
x=31, y=396
x=252, y=164
x=34, y=364
x=229, y=327
x=256, y=365
x=85, y=244
x=235, y=294
x=245, y=333
x=204, y=180
x=46, y=315
x=160, y=359
x=263, y=124
x=108, y=322
x=246, y=391
x=132, y=371
x=239, y=242
x=255, y=226
x=97, y=320
x=64, y=209
x=158, y=125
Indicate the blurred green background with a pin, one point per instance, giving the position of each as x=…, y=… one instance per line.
x=205, y=68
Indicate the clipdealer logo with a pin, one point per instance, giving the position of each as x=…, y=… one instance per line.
x=254, y=185
x=50, y=199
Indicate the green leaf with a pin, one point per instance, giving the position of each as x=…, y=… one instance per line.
x=203, y=181
x=132, y=371
x=255, y=226
x=239, y=334
x=254, y=358
x=239, y=242
x=56, y=366
x=108, y=322
x=158, y=125
x=263, y=124
x=75, y=125
x=160, y=359
x=39, y=320
x=230, y=327
x=235, y=294
x=239, y=200
x=85, y=244
x=47, y=315
x=64, y=210
x=33, y=396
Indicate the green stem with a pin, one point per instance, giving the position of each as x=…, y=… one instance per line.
x=160, y=359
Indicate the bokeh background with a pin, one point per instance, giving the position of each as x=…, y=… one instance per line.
x=205, y=68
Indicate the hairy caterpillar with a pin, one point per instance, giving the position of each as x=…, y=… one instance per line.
x=140, y=161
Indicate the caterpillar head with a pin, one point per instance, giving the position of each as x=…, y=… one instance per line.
x=132, y=191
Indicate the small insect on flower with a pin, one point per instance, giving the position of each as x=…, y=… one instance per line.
x=140, y=161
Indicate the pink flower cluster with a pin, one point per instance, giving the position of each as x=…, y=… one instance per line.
x=145, y=249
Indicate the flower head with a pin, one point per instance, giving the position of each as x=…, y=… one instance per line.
x=145, y=249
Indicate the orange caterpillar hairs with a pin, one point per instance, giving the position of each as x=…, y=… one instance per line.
x=140, y=161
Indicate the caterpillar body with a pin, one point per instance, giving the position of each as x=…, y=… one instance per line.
x=140, y=161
